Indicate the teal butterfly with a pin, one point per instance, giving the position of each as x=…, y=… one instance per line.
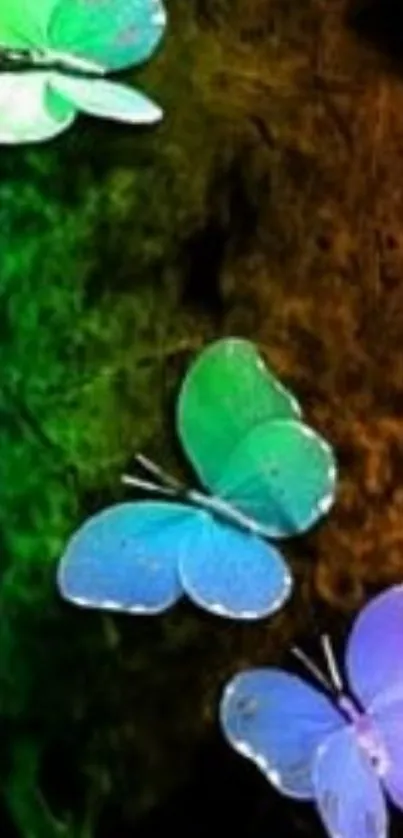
x=57, y=53
x=269, y=474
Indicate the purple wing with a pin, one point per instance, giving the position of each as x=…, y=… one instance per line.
x=386, y=713
x=374, y=659
x=347, y=791
x=278, y=722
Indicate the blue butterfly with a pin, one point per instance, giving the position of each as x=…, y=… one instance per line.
x=341, y=747
x=269, y=474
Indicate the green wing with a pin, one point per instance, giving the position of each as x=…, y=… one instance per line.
x=282, y=476
x=112, y=33
x=29, y=110
x=227, y=393
x=24, y=23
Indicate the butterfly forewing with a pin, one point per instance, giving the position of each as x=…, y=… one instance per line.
x=114, y=33
x=278, y=722
x=24, y=23
x=374, y=659
x=227, y=392
x=126, y=557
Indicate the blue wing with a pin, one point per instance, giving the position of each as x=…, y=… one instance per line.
x=234, y=573
x=125, y=558
x=278, y=722
x=347, y=791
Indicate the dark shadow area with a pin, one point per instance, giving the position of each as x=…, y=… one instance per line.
x=380, y=22
x=225, y=795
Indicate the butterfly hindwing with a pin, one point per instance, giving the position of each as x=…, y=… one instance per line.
x=114, y=33
x=387, y=715
x=374, y=665
x=278, y=721
x=30, y=111
x=106, y=99
x=282, y=476
x=347, y=790
x=233, y=573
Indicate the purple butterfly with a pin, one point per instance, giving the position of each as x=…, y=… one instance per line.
x=342, y=750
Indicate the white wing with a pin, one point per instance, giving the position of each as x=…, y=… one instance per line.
x=29, y=110
x=106, y=99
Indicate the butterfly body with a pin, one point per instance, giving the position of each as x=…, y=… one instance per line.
x=69, y=45
x=366, y=733
x=267, y=475
x=51, y=60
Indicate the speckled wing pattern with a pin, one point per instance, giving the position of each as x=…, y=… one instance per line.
x=113, y=33
x=139, y=558
x=278, y=721
x=243, y=433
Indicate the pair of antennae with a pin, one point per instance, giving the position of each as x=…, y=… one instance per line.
x=332, y=683
x=171, y=487
x=166, y=485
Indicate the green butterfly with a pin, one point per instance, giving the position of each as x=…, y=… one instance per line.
x=59, y=51
x=268, y=475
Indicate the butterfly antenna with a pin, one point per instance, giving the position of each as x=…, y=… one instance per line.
x=312, y=668
x=158, y=472
x=148, y=486
x=333, y=669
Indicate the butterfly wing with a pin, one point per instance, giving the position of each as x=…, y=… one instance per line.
x=30, y=111
x=241, y=430
x=233, y=573
x=279, y=722
x=227, y=391
x=375, y=670
x=374, y=650
x=386, y=713
x=106, y=99
x=125, y=558
x=114, y=33
x=23, y=23
x=282, y=476
x=347, y=791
